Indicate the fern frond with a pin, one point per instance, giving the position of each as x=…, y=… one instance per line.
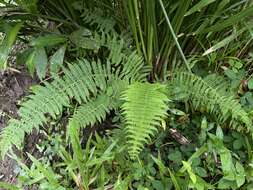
x=144, y=108
x=82, y=81
x=96, y=18
x=94, y=111
x=209, y=95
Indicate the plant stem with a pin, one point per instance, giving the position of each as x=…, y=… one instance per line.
x=174, y=36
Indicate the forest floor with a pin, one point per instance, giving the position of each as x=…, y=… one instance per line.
x=13, y=86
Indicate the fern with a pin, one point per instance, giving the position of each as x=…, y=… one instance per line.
x=94, y=111
x=210, y=95
x=97, y=18
x=82, y=81
x=144, y=109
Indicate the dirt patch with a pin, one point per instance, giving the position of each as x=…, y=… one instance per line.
x=13, y=86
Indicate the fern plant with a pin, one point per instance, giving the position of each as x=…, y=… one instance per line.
x=144, y=109
x=97, y=88
x=210, y=95
x=83, y=81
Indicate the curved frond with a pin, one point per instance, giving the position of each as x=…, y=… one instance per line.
x=144, y=108
x=209, y=95
x=97, y=18
x=93, y=111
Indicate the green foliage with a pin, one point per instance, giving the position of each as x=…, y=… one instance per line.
x=82, y=81
x=113, y=70
x=144, y=109
x=94, y=111
x=209, y=95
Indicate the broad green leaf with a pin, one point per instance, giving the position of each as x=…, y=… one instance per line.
x=227, y=164
x=201, y=4
x=240, y=176
x=57, y=60
x=201, y=184
x=237, y=144
x=226, y=184
x=48, y=40
x=157, y=184
x=250, y=84
x=230, y=74
x=200, y=171
x=7, y=43
x=175, y=156
x=40, y=61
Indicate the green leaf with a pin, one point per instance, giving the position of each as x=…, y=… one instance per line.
x=225, y=184
x=200, y=171
x=250, y=84
x=157, y=185
x=230, y=74
x=204, y=123
x=174, y=180
x=237, y=144
x=177, y=112
x=40, y=61
x=7, y=43
x=188, y=168
x=8, y=186
x=48, y=40
x=219, y=133
x=30, y=63
x=175, y=156
x=161, y=166
x=227, y=164
x=73, y=130
x=240, y=176
x=198, y=6
x=57, y=60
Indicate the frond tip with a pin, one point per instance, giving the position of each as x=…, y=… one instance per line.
x=144, y=108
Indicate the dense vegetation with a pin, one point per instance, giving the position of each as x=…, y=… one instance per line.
x=134, y=94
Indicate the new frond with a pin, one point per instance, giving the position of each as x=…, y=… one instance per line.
x=144, y=108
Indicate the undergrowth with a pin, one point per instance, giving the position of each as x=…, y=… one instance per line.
x=134, y=116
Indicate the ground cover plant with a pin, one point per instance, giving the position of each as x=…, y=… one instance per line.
x=131, y=94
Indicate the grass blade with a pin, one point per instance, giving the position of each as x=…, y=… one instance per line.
x=224, y=42
x=230, y=21
x=199, y=6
